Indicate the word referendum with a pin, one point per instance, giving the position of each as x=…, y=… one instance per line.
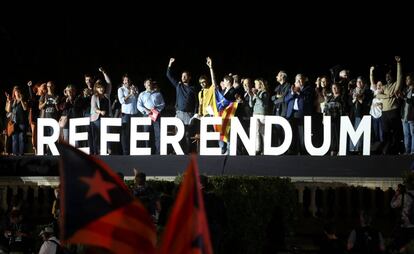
x=249, y=141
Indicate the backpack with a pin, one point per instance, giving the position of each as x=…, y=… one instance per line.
x=60, y=249
x=367, y=240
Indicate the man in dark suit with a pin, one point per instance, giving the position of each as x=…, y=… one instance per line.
x=299, y=104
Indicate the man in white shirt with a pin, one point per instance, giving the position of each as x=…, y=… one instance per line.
x=50, y=242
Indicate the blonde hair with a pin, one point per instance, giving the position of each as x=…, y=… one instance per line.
x=262, y=84
x=16, y=88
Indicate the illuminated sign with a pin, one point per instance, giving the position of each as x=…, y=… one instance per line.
x=248, y=139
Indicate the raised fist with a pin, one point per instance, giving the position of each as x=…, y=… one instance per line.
x=171, y=61
x=398, y=59
x=209, y=62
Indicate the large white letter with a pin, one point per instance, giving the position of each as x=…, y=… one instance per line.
x=326, y=136
x=78, y=136
x=173, y=140
x=205, y=135
x=364, y=127
x=249, y=143
x=49, y=140
x=108, y=137
x=135, y=136
x=268, y=149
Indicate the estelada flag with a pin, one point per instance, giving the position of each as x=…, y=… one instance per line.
x=187, y=229
x=98, y=209
x=225, y=109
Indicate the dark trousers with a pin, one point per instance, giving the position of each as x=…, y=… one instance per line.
x=96, y=137
x=126, y=130
x=335, y=132
x=155, y=129
x=402, y=237
x=298, y=142
x=317, y=129
x=377, y=127
x=241, y=150
x=391, y=126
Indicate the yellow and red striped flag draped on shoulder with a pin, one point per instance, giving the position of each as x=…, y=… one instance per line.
x=225, y=109
x=187, y=229
x=97, y=208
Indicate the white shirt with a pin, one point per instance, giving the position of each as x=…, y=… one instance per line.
x=295, y=104
x=375, y=111
x=49, y=247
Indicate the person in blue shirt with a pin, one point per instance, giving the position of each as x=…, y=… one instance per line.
x=127, y=96
x=151, y=102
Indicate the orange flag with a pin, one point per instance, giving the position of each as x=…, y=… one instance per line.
x=187, y=229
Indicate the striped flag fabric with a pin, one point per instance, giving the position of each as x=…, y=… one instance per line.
x=225, y=109
x=187, y=228
x=98, y=209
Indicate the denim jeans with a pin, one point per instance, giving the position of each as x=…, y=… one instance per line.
x=408, y=129
x=66, y=135
x=18, y=139
x=357, y=147
x=185, y=118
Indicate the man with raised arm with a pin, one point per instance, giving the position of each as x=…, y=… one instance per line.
x=186, y=100
x=390, y=108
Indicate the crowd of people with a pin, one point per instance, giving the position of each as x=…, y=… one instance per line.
x=366, y=236
x=21, y=232
x=384, y=96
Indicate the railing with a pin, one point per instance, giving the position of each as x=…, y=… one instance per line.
x=319, y=197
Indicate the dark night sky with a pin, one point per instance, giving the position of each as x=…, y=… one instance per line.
x=62, y=46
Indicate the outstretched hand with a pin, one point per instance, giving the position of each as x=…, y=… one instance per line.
x=101, y=70
x=29, y=83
